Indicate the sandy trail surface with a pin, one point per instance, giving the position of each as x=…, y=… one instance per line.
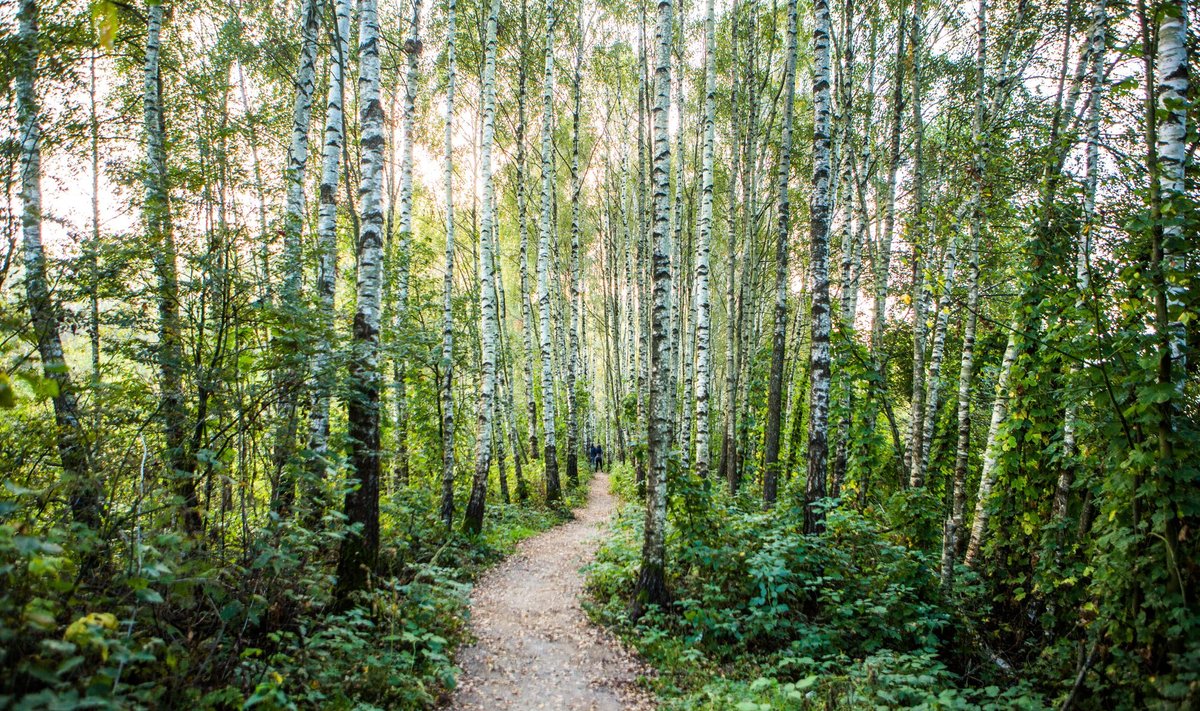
x=535, y=647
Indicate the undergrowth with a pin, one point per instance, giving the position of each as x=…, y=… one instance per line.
x=764, y=617
x=177, y=624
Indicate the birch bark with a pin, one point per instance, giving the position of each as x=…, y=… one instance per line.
x=473, y=521
x=818, y=425
x=84, y=495
x=553, y=486
x=359, y=550
x=651, y=586
x=782, y=236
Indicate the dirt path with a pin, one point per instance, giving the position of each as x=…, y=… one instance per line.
x=535, y=647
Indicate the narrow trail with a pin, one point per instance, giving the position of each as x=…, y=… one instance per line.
x=535, y=648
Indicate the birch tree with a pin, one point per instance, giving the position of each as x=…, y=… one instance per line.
x=318, y=425
x=412, y=54
x=523, y=230
x=819, y=209
x=553, y=487
x=782, y=237
x=473, y=518
x=573, y=291
x=157, y=217
x=84, y=496
x=651, y=588
x=447, y=362
x=954, y=522
x=704, y=242
x=360, y=549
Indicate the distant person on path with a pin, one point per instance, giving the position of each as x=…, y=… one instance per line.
x=597, y=456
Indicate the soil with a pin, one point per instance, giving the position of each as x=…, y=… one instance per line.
x=535, y=648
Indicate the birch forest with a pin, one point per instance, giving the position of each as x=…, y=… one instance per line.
x=599, y=354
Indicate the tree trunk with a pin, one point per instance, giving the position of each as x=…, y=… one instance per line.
x=322, y=375
x=447, y=364
x=360, y=549
x=489, y=326
x=991, y=452
x=818, y=423
x=704, y=243
x=954, y=522
x=573, y=288
x=162, y=238
x=782, y=237
x=83, y=491
x=289, y=376
x=651, y=586
x=553, y=487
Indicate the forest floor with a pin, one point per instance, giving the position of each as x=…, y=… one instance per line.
x=534, y=646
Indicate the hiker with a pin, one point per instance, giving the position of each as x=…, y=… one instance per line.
x=597, y=457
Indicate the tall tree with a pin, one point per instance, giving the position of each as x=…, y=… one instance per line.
x=360, y=548
x=545, y=235
x=651, y=588
x=157, y=216
x=523, y=230
x=83, y=494
x=412, y=53
x=489, y=326
x=819, y=210
x=447, y=362
x=958, y=495
x=573, y=291
x=782, y=245
x=704, y=243
x=318, y=425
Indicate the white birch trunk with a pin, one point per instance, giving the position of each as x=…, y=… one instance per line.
x=318, y=425
x=553, y=487
x=954, y=522
x=359, y=551
x=447, y=363
x=297, y=159
x=782, y=242
x=573, y=283
x=523, y=230
x=489, y=322
x=704, y=244
x=82, y=492
x=991, y=452
x=412, y=52
x=937, y=353
x=651, y=586
x=818, y=424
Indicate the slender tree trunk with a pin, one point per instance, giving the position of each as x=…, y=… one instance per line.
x=489, y=325
x=322, y=375
x=360, y=549
x=991, y=453
x=883, y=256
x=546, y=234
x=651, y=587
x=447, y=364
x=573, y=288
x=937, y=352
x=83, y=492
x=782, y=237
x=818, y=424
x=162, y=238
x=921, y=290
x=704, y=244
x=727, y=469
x=412, y=53
x=954, y=522
x=289, y=375
x=523, y=230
